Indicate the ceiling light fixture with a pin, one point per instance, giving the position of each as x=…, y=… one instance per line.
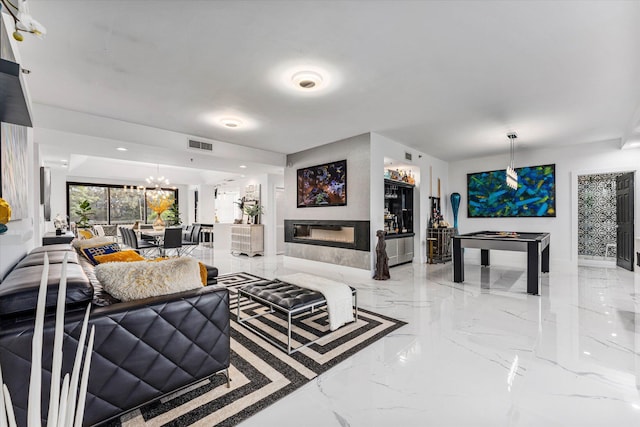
x=512, y=175
x=243, y=166
x=231, y=122
x=307, y=80
x=157, y=182
x=155, y=185
x=122, y=149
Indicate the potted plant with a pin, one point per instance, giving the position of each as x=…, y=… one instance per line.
x=253, y=210
x=84, y=214
x=173, y=215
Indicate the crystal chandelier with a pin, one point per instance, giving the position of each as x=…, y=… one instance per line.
x=512, y=175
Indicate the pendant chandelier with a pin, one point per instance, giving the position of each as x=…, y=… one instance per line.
x=154, y=183
x=158, y=181
x=512, y=175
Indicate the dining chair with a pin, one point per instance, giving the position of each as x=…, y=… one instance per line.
x=98, y=230
x=125, y=236
x=189, y=244
x=143, y=247
x=172, y=241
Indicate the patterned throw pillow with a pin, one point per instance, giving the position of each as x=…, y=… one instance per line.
x=121, y=256
x=91, y=251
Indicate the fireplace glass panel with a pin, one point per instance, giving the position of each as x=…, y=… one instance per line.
x=326, y=233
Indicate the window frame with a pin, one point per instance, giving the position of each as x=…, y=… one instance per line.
x=115, y=186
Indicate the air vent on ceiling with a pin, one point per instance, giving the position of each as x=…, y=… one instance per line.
x=200, y=145
x=407, y=156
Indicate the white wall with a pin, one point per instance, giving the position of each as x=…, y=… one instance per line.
x=269, y=217
x=188, y=215
x=23, y=234
x=356, y=151
x=570, y=162
x=206, y=204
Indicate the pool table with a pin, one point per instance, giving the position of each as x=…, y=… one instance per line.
x=536, y=245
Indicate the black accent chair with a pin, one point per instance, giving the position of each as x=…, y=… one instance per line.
x=172, y=240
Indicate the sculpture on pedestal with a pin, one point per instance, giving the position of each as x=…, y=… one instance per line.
x=382, y=259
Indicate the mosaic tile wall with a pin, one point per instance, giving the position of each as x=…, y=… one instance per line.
x=596, y=214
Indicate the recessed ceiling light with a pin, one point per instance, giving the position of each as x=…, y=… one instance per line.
x=231, y=122
x=307, y=80
x=243, y=166
x=122, y=149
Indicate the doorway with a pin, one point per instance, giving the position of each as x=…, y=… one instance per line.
x=605, y=219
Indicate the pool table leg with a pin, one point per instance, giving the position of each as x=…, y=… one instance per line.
x=545, y=259
x=533, y=268
x=484, y=257
x=458, y=262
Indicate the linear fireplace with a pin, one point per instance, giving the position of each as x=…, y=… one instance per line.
x=332, y=233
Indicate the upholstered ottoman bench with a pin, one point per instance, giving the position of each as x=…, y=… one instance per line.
x=288, y=299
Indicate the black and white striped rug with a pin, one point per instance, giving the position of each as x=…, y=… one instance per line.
x=260, y=372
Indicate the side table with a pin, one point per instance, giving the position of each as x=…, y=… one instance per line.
x=51, y=238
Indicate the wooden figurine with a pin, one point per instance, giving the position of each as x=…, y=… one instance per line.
x=382, y=260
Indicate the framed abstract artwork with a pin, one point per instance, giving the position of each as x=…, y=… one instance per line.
x=322, y=185
x=488, y=195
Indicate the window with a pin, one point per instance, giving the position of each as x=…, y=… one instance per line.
x=111, y=204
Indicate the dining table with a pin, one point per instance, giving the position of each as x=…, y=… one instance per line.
x=151, y=234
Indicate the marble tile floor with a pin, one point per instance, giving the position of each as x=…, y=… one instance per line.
x=482, y=353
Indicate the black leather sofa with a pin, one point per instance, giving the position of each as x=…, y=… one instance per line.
x=143, y=349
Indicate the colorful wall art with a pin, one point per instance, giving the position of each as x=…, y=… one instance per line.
x=13, y=169
x=489, y=196
x=323, y=185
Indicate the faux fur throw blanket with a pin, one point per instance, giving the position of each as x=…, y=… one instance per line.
x=338, y=296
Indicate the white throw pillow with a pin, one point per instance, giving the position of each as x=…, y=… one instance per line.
x=129, y=281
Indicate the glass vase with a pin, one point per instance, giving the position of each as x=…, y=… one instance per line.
x=158, y=224
x=455, y=205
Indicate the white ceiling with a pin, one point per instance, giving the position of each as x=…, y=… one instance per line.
x=447, y=78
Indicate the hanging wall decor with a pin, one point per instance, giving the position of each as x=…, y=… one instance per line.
x=489, y=197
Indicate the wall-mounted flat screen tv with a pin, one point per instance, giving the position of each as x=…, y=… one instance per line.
x=488, y=195
x=323, y=185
